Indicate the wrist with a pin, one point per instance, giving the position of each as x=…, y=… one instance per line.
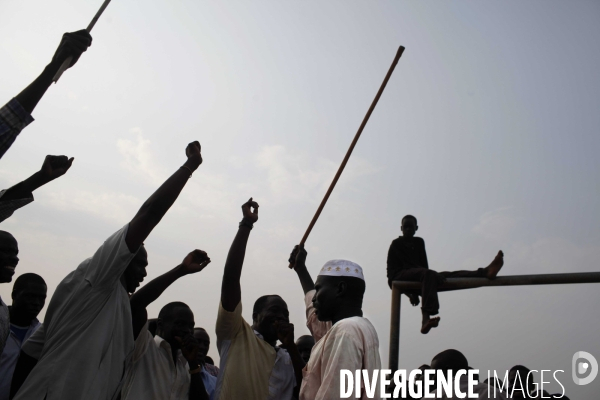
x=36, y=180
x=191, y=164
x=246, y=223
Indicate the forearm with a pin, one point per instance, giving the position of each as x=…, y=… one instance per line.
x=230, y=290
x=153, y=289
x=297, y=362
x=305, y=279
x=25, y=188
x=197, y=388
x=24, y=366
x=155, y=208
x=31, y=95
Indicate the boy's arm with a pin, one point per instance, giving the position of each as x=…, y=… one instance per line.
x=298, y=261
x=231, y=291
x=193, y=262
x=424, y=255
x=159, y=203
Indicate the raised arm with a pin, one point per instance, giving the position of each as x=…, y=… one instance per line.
x=192, y=263
x=53, y=167
x=298, y=261
x=159, y=203
x=71, y=45
x=231, y=291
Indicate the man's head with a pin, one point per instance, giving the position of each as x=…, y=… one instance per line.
x=339, y=287
x=203, y=340
x=136, y=271
x=409, y=226
x=28, y=295
x=175, y=320
x=9, y=249
x=266, y=312
x=450, y=359
x=520, y=379
x=305, y=344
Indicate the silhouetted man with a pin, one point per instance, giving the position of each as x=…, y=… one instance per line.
x=344, y=339
x=28, y=299
x=16, y=114
x=9, y=249
x=87, y=332
x=305, y=343
x=252, y=366
x=209, y=371
x=21, y=194
x=452, y=361
x=407, y=261
x=165, y=366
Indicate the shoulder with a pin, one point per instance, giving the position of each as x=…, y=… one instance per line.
x=354, y=326
x=418, y=239
x=397, y=241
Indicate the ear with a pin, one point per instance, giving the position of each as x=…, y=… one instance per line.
x=254, y=316
x=341, y=289
x=416, y=228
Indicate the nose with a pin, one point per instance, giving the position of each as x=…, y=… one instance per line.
x=15, y=260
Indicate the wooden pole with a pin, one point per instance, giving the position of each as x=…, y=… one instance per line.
x=349, y=152
x=67, y=63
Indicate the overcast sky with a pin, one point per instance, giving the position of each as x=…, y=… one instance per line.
x=487, y=132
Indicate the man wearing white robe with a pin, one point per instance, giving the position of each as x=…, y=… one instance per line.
x=344, y=339
x=87, y=336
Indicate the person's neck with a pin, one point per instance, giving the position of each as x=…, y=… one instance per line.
x=18, y=318
x=347, y=313
x=408, y=238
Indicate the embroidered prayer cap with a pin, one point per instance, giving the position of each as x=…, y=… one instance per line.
x=342, y=268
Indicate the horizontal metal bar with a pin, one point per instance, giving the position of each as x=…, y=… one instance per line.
x=511, y=280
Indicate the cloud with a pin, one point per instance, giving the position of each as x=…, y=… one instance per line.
x=139, y=158
x=297, y=177
x=115, y=207
x=495, y=225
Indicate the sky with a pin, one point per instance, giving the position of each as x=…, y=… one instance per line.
x=487, y=132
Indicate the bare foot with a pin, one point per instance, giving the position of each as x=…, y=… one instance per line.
x=492, y=270
x=430, y=323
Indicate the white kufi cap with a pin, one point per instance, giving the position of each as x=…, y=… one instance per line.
x=342, y=268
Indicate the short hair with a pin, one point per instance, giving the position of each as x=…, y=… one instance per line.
x=451, y=359
x=409, y=216
x=520, y=368
x=209, y=360
x=167, y=311
x=261, y=302
x=22, y=281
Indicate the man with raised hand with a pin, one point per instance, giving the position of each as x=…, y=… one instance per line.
x=165, y=366
x=16, y=114
x=87, y=333
x=252, y=365
x=344, y=339
x=21, y=194
x=28, y=299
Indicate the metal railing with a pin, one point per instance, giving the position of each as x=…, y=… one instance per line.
x=399, y=287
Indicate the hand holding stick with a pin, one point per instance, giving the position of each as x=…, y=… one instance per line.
x=349, y=152
x=68, y=63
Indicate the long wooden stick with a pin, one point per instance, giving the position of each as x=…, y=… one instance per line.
x=349, y=152
x=67, y=63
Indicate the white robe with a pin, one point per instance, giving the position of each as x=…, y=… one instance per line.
x=87, y=332
x=351, y=343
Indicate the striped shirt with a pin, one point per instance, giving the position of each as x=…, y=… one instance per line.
x=13, y=119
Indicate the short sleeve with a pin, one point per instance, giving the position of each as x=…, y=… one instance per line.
x=13, y=119
x=141, y=344
x=317, y=328
x=229, y=323
x=109, y=262
x=35, y=344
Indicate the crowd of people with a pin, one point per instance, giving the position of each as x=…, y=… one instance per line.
x=97, y=342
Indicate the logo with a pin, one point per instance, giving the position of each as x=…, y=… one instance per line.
x=580, y=368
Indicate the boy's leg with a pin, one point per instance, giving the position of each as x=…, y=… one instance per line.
x=489, y=272
x=430, y=281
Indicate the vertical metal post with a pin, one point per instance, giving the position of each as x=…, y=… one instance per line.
x=395, y=328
